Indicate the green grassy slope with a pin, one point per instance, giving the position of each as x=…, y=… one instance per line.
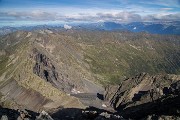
x=17, y=65
x=117, y=55
x=106, y=57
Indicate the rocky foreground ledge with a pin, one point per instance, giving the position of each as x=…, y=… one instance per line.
x=143, y=97
x=62, y=114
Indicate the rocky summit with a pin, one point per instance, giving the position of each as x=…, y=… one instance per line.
x=78, y=74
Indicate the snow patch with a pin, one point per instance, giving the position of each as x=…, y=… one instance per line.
x=103, y=105
x=75, y=91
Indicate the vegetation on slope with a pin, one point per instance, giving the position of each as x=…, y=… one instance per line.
x=117, y=55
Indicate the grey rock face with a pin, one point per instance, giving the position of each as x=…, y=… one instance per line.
x=144, y=94
x=45, y=69
x=4, y=117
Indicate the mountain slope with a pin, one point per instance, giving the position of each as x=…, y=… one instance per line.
x=18, y=70
x=145, y=95
x=115, y=55
x=55, y=64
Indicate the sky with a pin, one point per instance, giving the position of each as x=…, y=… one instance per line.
x=35, y=12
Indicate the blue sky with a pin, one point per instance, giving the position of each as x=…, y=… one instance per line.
x=27, y=12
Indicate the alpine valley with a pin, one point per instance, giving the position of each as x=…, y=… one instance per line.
x=55, y=73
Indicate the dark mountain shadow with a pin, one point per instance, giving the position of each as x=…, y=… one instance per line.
x=11, y=114
x=32, y=114
x=14, y=114
x=89, y=113
x=138, y=95
x=67, y=114
x=167, y=105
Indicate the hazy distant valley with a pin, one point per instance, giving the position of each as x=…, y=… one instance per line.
x=59, y=69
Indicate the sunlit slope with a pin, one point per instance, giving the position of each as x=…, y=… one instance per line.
x=115, y=55
x=101, y=56
x=20, y=86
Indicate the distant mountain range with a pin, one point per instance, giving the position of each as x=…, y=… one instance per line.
x=150, y=27
x=6, y=30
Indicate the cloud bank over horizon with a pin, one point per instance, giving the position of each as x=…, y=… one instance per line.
x=17, y=12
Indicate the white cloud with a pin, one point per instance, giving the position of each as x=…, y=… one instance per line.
x=162, y=17
x=89, y=15
x=67, y=26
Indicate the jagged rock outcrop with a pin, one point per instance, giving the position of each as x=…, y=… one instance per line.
x=45, y=69
x=145, y=95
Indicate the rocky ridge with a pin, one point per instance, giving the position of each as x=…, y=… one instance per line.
x=145, y=95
